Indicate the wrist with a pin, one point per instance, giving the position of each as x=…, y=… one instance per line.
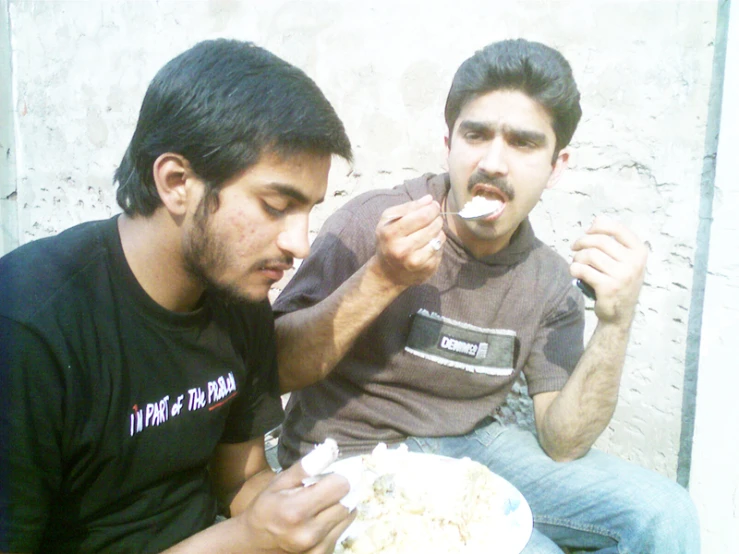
x=378, y=276
x=614, y=329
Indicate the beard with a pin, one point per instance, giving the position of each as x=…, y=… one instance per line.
x=205, y=256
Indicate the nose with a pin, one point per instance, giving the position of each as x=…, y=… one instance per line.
x=293, y=240
x=493, y=160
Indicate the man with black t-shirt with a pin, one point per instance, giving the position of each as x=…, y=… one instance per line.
x=137, y=359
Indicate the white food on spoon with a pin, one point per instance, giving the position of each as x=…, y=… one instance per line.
x=480, y=206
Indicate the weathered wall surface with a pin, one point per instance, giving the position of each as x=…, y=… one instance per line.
x=644, y=70
x=8, y=203
x=714, y=476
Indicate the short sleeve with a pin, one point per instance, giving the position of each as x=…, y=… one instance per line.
x=259, y=409
x=344, y=244
x=558, y=343
x=31, y=393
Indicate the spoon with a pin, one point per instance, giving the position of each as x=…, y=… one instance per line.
x=471, y=216
x=477, y=208
x=466, y=217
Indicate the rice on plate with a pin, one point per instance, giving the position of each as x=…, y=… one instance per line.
x=409, y=502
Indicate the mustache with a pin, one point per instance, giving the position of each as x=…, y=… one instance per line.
x=501, y=183
x=277, y=263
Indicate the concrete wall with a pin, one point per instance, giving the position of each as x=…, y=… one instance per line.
x=714, y=476
x=8, y=196
x=644, y=70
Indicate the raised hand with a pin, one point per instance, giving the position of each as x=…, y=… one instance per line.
x=611, y=259
x=410, y=240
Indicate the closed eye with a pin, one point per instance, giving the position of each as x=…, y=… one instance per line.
x=280, y=199
x=275, y=209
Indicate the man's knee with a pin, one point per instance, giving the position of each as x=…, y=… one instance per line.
x=668, y=520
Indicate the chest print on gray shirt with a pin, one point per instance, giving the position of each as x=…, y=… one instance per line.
x=461, y=345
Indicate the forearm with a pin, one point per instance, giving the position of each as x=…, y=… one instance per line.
x=584, y=407
x=226, y=537
x=250, y=489
x=231, y=535
x=310, y=342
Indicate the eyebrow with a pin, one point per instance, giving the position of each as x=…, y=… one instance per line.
x=477, y=126
x=488, y=128
x=535, y=137
x=292, y=192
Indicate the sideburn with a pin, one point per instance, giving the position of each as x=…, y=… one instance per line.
x=201, y=254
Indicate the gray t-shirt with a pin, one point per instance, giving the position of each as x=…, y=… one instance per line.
x=444, y=355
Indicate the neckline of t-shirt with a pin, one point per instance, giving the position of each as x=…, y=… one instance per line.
x=141, y=302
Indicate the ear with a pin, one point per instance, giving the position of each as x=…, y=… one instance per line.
x=447, y=147
x=173, y=175
x=559, y=166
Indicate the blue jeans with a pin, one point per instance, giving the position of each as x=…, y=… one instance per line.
x=598, y=503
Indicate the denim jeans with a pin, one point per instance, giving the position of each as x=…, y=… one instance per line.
x=598, y=503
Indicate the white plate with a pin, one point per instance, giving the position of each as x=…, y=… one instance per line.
x=512, y=518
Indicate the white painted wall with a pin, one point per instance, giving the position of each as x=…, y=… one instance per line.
x=714, y=478
x=8, y=203
x=644, y=69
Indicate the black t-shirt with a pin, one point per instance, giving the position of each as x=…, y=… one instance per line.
x=111, y=405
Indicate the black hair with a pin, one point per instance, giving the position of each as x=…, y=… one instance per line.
x=222, y=104
x=539, y=71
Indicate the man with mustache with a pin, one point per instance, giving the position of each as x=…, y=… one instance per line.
x=137, y=361
x=416, y=332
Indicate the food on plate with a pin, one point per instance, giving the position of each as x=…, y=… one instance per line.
x=402, y=508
